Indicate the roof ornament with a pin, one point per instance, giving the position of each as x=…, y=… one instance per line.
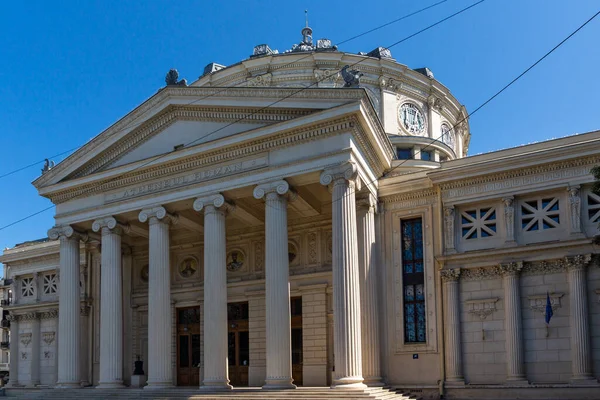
x=307, y=43
x=48, y=165
x=171, y=79
x=351, y=77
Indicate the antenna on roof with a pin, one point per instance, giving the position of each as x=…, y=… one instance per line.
x=306, y=17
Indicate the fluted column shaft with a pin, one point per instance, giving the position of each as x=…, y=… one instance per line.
x=14, y=351
x=515, y=367
x=111, y=307
x=452, y=346
x=346, y=289
x=277, y=296
x=35, y=351
x=581, y=364
x=160, y=373
x=68, y=307
x=368, y=292
x=216, y=373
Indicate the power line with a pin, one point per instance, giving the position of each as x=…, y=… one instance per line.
x=259, y=110
x=239, y=83
x=492, y=97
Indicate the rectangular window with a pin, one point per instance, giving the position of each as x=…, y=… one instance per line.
x=413, y=281
x=404, y=154
x=426, y=155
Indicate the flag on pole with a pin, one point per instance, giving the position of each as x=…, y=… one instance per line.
x=548, y=308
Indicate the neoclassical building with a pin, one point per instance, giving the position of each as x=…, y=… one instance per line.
x=286, y=221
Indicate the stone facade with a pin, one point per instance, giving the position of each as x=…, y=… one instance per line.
x=429, y=273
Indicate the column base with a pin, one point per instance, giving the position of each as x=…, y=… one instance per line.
x=216, y=386
x=584, y=381
x=455, y=383
x=520, y=381
x=374, y=382
x=278, y=384
x=110, y=385
x=350, y=382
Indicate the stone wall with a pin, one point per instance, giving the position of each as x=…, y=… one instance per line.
x=593, y=288
x=314, y=335
x=257, y=370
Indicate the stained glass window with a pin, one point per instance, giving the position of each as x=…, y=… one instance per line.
x=413, y=281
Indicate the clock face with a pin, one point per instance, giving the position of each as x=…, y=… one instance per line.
x=412, y=119
x=447, y=135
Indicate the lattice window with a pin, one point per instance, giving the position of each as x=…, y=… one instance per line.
x=478, y=223
x=27, y=287
x=413, y=281
x=593, y=203
x=50, y=284
x=540, y=214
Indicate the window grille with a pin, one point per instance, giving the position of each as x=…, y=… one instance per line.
x=50, y=284
x=478, y=223
x=27, y=287
x=540, y=214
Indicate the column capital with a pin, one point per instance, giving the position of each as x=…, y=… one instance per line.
x=450, y=275
x=112, y=225
x=279, y=187
x=158, y=213
x=347, y=171
x=13, y=317
x=66, y=231
x=366, y=201
x=30, y=316
x=578, y=262
x=217, y=201
x=511, y=269
x=49, y=314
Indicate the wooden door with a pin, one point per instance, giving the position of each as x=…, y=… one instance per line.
x=188, y=346
x=238, y=343
x=296, y=327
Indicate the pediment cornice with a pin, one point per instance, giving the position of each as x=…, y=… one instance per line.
x=352, y=122
x=158, y=104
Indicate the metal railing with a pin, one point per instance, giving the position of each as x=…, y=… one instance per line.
x=4, y=345
x=5, y=323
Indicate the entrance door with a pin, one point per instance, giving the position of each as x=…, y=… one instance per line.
x=238, y=342
x=188, y=346
x=296, y=308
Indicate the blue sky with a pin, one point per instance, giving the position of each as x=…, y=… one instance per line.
x=70, y=69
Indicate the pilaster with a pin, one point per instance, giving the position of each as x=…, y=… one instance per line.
x=371, y=364
x=581, y=363
x=14, y=349
x=509, y=219
x=515, y=367
x=279, y=341
x=449, y=229
x=216, y=374
x=34, y=372
x=452, y=347
x=159, y=297
x=346, y=294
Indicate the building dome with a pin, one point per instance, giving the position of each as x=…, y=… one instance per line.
x=422, y=118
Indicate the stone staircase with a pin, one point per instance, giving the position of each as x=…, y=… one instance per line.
x=196, y=394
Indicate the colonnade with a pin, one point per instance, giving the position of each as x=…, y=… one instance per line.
x=352, y=278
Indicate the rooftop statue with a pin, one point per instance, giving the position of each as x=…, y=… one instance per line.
x=172, y=78
x=351, y=77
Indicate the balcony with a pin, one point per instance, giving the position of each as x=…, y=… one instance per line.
x=4, y=367
x=5, y=323
x=4, y=345
x=5, y=303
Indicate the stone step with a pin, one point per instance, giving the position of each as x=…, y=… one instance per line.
x=195, y=394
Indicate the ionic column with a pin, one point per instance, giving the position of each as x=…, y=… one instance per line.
x=68, y=306
x=14, y=350
x=85, y=345
x=111, y=308
x=515, y=367
x=159, y=298
x=34, y=371
x=368, y=291
x=452, y=344
x=346, y=289
x=279, y=341
x=581, y=363
x=216, y=374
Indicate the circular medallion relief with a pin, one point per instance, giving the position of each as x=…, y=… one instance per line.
x=412, y=119
x=447, y=135
x=188, y=267
x=145, y=273
x=235, y=260
x=292, y=253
